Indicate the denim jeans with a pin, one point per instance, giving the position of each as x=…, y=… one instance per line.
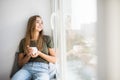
x=34, y=71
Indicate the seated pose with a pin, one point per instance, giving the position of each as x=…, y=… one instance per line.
x=35, y=53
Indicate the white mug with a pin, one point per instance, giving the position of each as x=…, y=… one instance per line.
x=34, y=50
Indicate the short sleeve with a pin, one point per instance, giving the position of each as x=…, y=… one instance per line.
x=21, y=49
x=49, y=42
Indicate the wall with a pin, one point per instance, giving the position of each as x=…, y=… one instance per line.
x=13, y=18
x=108, y=43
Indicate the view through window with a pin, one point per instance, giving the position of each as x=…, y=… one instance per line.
x=80, y=22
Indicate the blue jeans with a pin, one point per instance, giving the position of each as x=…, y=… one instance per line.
x=34, y=71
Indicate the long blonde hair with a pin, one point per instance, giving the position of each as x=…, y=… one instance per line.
x=30, y=32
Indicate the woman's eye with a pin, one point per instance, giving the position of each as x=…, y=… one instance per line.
x=41, y=23
x=37, y=22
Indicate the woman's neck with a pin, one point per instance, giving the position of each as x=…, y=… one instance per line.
x=36, y=35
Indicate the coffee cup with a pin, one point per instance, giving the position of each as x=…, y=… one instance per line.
x=34, y=50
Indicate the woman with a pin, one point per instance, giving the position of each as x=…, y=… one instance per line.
x=35, y=66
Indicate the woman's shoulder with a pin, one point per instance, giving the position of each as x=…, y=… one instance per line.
x=47, y=37
x=22, y=40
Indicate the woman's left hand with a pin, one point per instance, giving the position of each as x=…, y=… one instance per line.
x=36, y=54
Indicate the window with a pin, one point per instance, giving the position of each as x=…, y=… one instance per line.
x=80, y=40
x=76, y=39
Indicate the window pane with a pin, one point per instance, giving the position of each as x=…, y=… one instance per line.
x=80, y=26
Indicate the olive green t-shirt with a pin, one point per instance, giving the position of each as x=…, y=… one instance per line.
x=46, y=44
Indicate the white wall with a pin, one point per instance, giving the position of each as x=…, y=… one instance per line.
x=13, y=18
x=108, y=36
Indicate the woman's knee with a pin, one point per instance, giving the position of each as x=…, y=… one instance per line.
x=21, y=75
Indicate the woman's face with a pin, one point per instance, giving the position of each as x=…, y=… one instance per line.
x=39, y=24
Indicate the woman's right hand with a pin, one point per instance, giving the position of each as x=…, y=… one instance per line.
x=29, y=51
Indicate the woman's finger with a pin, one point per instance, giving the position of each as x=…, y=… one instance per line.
x=34, y=55
x=28, y=46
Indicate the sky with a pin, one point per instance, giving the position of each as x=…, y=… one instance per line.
x=83, y=12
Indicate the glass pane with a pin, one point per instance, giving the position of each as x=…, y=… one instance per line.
x=80, y=23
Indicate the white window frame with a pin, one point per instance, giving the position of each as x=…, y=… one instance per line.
x=59, y=37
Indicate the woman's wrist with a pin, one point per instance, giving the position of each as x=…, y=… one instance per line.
x=28, y=55
x=39, y=52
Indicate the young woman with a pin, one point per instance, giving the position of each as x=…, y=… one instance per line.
x=35, y=66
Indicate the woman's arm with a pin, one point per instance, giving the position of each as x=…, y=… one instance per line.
x=50, y=58
x=23, y=59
